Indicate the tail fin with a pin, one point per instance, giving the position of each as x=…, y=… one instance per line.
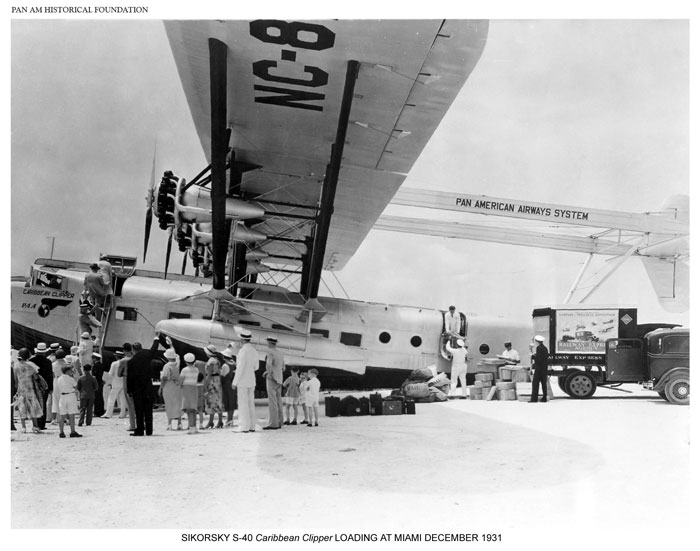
x=671, y=281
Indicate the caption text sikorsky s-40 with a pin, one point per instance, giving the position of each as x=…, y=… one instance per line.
x=310, y=129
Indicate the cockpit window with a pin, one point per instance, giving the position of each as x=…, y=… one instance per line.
x=48, y=279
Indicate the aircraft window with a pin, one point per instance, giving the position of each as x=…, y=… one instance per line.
x=125, y=313
x=206, y=317
x=351, y=339
x=322, y=332
x=246, y=322
x=484, y=349
x=416, y=341
x=178, y=315
x=677, y=344
x=280, y=327
x=384, y=337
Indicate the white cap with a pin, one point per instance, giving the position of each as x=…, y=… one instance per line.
x=170, y=354
x=539, y=338
x=226, y=353
x=246, y=336
x=85, y=335
x=210, y=349
x=189, y=358
x=460, y=342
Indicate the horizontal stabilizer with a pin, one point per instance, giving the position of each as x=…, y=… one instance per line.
x=512, y=236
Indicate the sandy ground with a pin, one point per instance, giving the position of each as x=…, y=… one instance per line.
x=615, y=467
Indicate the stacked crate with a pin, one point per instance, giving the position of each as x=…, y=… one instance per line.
x=488, y=387
x=483, y=382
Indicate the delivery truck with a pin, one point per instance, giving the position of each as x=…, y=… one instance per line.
x=604, y=346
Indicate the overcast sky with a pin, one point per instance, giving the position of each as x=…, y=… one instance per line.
x=586, y=113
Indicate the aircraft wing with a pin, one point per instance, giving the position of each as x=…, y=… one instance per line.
x=285, y=84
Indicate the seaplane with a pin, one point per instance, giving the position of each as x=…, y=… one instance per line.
x=309, y=129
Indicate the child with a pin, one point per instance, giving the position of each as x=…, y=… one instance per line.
x=291, y=397
x=87, y=386
x=313, y=387
x=67, y=401
x=303, y=379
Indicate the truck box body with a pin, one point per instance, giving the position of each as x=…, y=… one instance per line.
x=576, y=334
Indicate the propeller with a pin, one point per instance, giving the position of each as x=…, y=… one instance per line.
x=218, y=52
x=167, y=251
x=150, y=197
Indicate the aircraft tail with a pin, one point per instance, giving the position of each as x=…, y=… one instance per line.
x=671, y=281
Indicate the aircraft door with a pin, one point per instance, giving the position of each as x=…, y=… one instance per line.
x=624, y=360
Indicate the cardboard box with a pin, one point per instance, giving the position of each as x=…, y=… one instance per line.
x=505, y=395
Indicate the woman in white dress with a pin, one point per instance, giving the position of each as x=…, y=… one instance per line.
x=170, y=388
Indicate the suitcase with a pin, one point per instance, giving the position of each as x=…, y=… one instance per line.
x=332, y=406
x=390, y=406
x=375, y=404
x=409, y=406
x=364, y=406
x=349, y=406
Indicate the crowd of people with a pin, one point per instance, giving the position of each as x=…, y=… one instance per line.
x=56, y=387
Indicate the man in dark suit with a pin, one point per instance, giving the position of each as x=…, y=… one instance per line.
x=41, y=360
x=140, y=386
x=97, y=372
x=540, y=364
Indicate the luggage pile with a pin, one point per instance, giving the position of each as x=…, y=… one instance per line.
x=423, y=386
x=349, y=406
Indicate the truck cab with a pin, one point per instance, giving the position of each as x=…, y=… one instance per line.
x=660, y=361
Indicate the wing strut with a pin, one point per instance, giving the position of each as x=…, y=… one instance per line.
x=329, y=185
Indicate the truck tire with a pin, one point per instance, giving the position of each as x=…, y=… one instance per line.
x=662, y=394
x=580, y=385
x=562, y=383
x=677, y=389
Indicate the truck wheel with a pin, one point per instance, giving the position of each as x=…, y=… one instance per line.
x=580, y=385
x=662, y=394
x=678, y=390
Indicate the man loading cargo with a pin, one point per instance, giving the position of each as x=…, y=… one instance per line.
x=459, y=366
x=510, y=355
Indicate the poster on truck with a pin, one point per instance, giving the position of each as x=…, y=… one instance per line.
x=585, y=331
